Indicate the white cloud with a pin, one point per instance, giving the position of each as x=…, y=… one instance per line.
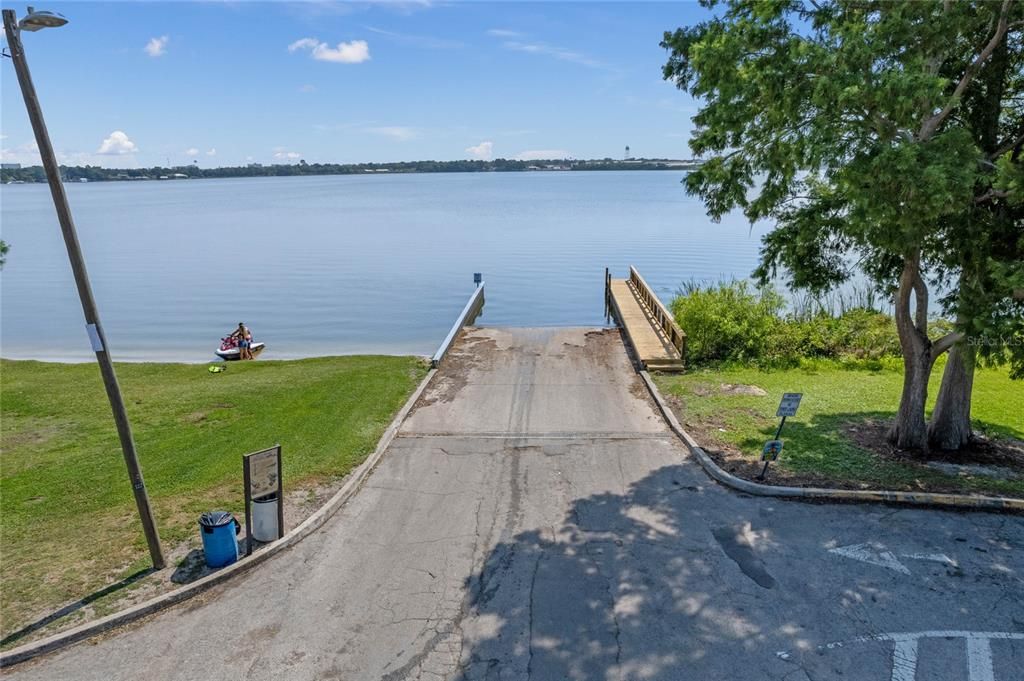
x=307, y=88
x=117, y=144
x=304, y=44
x=211, y=152
x=26, y=154
x=191, y=151
x=396, y=132
x=282, y=154
x=336, y=127
x=77, y=158
x=553, y=51
x=424, y=41
x=157, y=47
x=316, y=10
x=542, y=154
x=354, y=52
x=482, y=151
x=504, y=33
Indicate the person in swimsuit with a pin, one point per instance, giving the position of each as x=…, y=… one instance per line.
x=244, y=337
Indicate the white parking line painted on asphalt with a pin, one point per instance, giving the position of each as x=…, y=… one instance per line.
x=866, y=554
x=979, y=659
x=934, y=557
x=904, y=660
x=904, y=656
x=887, y=559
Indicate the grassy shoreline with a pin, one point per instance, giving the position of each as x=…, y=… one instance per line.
x=845, y=407
x=69, y=526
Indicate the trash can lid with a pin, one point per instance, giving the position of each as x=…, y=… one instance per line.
x=215, y=518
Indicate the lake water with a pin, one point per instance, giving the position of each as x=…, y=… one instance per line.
x=345, y=264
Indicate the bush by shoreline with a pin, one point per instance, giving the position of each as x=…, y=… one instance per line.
x=734, y=322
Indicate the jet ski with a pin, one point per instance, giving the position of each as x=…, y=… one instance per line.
x=229, y=349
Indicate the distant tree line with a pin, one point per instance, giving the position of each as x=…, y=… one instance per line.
x=98, y=174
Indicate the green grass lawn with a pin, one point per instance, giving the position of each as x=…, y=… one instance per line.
x=69, y=526
x=818, y=445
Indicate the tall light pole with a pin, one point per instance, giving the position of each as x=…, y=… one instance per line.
x=35, y=21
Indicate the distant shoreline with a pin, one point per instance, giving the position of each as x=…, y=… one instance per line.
x=36, y=174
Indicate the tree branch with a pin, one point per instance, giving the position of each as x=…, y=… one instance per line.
x=932, y=124
x=1007, y=146
x=883, y=125
x=991, y=194
x=946, y=342
x=912, y=340
x=920, y=301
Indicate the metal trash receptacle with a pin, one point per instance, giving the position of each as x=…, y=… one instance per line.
x=218, y=530
x=264, y=519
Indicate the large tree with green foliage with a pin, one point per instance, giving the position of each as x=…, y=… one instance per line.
x=847, y=123
x=984, y=242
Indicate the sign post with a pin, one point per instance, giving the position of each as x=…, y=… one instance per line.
x=261, y=472
x=787, y=407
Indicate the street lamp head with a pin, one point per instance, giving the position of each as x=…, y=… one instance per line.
x=37, y=20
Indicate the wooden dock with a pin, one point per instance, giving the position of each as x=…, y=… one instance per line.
x=655, y=337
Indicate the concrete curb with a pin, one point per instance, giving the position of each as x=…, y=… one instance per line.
x=307, y=527
x=964, y=502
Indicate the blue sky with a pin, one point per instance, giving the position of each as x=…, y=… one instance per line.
x=225, y=83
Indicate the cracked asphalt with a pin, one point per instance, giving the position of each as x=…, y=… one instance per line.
x=536, y=519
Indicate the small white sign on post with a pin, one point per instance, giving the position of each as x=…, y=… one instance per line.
x=789, y=404
x=787, y=407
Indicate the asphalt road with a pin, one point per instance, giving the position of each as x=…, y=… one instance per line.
x=536, y=519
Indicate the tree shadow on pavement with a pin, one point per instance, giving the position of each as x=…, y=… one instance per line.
x=75, y=606
x=676, y=578
x=629, y=586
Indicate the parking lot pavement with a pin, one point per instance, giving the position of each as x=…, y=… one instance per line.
x=535, y=519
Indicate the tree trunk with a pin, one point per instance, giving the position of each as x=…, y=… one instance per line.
x=910, y=431
x=950, y=426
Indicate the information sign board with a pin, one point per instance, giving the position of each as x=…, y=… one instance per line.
x=789, y=404
x=261, y=474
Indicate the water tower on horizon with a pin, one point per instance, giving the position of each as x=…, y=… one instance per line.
x=627, y=156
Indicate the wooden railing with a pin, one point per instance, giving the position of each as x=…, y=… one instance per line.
x=661, y=315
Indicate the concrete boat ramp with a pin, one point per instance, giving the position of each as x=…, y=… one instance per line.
x=536, y=519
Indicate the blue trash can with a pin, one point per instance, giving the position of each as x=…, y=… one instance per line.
x=218, y=530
